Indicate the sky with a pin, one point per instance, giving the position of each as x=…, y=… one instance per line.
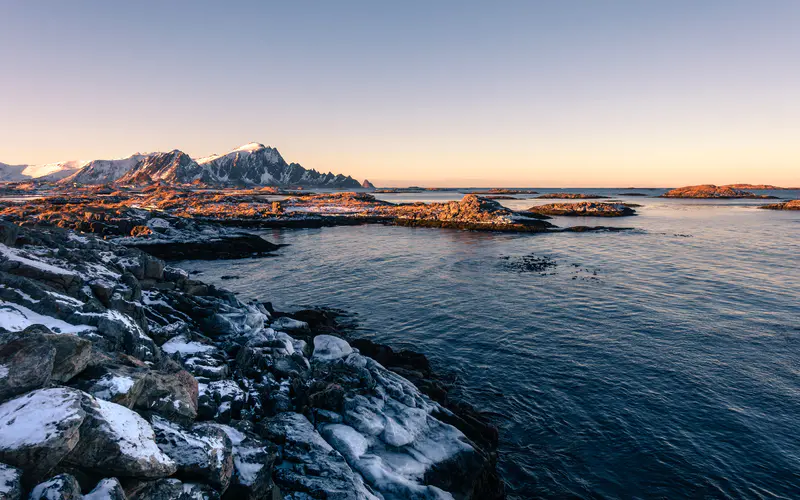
x=566, y=93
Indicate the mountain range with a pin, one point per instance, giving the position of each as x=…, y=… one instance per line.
x=250, y=165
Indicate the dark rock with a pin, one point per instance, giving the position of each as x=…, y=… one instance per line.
x=72, y=356
x=61, y=487
x=220, y=400
x=169, y=489
x=26, y=361
x=253, y=459
x=202, y=452
x=171, y=395
x=107, y=489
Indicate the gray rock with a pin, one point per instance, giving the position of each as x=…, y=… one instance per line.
x=10, y=483
x=171, y=395
x=61, y=487
x=39, y=429
x=170, y=489
x=26, y=363
x=117, y=383
x=309, y=464
x=253, y=460
x=220, y=400
x=203, y=452
x=72, y=356
x=107, y=489
x=115, y=440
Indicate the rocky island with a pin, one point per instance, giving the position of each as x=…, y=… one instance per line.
x=788, y=205
x=571, y=196
x=124, y=378
x=712, y=191
x=585, y=208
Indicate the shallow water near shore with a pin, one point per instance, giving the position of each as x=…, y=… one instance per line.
x=663, y=361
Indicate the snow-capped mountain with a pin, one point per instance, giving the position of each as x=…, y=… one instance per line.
x=250, y=165
x=49, y=171
x=256, y=164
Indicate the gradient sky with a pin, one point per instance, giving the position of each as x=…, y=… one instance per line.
x=558, y=93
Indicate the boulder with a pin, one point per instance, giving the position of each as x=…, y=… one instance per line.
x=330, y=348
x=220, y=400
x=115, y=440
x=61, y=487
x=202, y=452
x=287, y=324
x=39, y=429
x=115, y=382
x=252, y=460
x=308, y=464
x=26, y=363
x=170, y=489
x=171, y=395
x=107, y=489
x=10, y=483
x=72, y=356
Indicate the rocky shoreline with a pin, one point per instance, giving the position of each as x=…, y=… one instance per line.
x=788, y=205
x=176, y=224
x=712, y=191
x=124, y=378
x=584, y=209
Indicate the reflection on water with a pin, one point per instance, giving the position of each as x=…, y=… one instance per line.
x=673, y=372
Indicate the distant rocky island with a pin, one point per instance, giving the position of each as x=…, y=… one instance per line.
x=252, y=164
x=788, y=205
x=712, y=191
x=585, y=208
x=571, y=196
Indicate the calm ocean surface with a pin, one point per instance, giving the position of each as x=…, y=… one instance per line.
x=661, y=362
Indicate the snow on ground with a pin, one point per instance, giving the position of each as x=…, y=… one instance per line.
x=15, y=318
x=14, y=254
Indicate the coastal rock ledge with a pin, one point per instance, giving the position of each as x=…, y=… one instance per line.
x=122, y=378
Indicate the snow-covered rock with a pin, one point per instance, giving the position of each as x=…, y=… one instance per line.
x=202, y=452
x=10, y=482
x=330, y=348
x=288, y=324
x=116, y=440
x=252, y=459
x=106, y=489
x=39, y=429
x=60, y=487
x=309, y=464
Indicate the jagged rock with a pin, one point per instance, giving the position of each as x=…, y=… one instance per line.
x=287, y=324
x=61, y=487
x=170, y=489
x=116, y=440
x=10, y=483
x=26, y=363
x=203, y=453
x=252, y=459
x=107, y=489
x=171, y=395
x=8, y=233
x=39, y=429
x=220, y=400
x=308, y=464
x=115, y=382
x=72, y=356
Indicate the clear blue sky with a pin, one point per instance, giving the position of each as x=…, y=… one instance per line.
x=566, y=92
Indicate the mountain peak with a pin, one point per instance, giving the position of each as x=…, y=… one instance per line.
x=250, y=147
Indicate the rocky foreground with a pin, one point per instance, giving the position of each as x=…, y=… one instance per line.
x=789, y=205
x=712, y=191
x=584, y=209
x=121, y=377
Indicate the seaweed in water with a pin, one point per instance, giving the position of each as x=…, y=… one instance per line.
x=530, y=263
